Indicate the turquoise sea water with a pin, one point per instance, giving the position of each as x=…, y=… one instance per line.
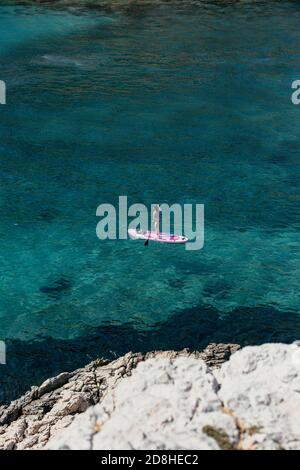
x=187, y=104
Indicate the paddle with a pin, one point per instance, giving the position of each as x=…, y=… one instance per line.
x=155, y=215
x=148, y=239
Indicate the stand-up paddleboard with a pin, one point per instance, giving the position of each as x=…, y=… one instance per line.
x=154, y=237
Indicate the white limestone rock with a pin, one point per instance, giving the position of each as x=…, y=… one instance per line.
x=261, y=386
x=253, y=403
x=28, y=422
x=166, y=404
x=165, y=400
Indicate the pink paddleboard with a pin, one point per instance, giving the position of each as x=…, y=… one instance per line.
x=154, y=237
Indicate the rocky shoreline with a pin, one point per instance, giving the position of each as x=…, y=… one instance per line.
x=29, y=421
x=223, y=397
x=252, y=402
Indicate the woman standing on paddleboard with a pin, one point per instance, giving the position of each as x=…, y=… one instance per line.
x=155, y=217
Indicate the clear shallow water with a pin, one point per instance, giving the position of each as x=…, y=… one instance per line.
x=166, y=104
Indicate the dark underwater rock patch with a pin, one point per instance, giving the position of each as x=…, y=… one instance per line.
x=176, y=283
x=48, y=214
x=57, y=288
x=31, y=362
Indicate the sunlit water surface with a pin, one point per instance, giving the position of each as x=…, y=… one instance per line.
x=166, y=104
